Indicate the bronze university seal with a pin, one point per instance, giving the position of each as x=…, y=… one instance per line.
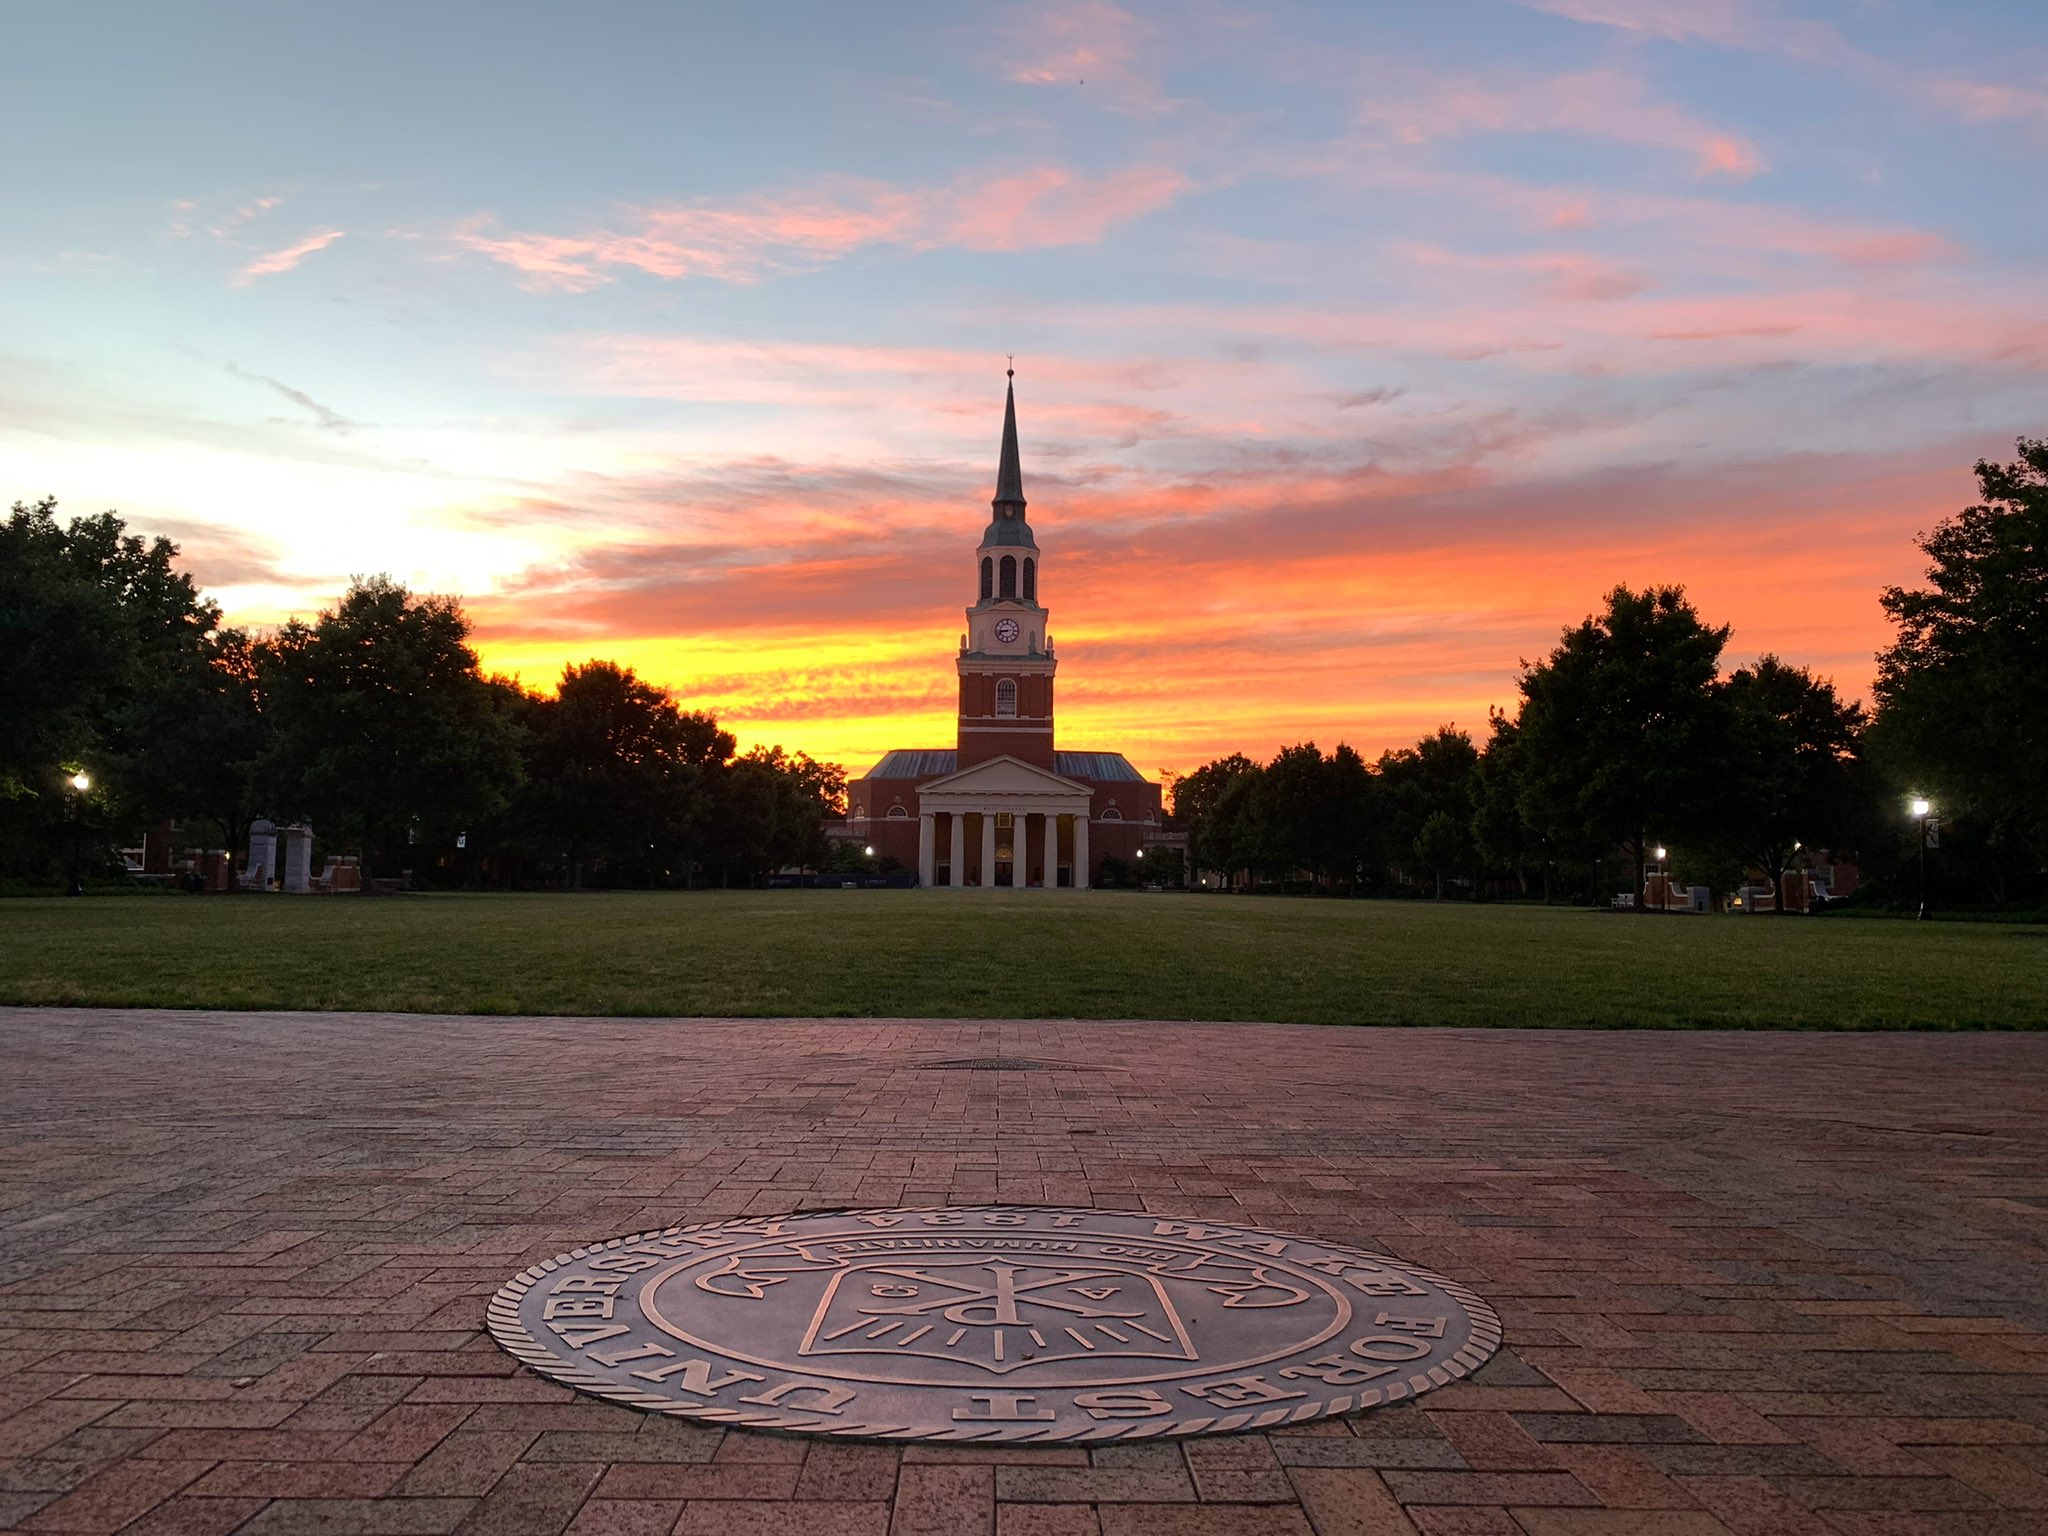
x=990, y=1323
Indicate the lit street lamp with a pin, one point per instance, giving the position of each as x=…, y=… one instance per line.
x=80, y=782
x=1920, y=809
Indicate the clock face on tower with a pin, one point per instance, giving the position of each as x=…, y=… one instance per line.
x=1006, y=631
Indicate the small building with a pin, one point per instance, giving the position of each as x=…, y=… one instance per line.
x=1004, y=806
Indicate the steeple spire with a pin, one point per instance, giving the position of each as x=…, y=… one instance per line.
x=1009, y=472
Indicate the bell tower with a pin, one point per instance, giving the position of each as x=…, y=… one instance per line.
x=1006, y=658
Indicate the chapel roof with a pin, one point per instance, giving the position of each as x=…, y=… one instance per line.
x=920, y=763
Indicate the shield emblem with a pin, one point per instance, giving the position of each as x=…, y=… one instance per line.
x=995, y=1314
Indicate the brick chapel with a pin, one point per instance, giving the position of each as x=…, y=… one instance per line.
x=1004, y=806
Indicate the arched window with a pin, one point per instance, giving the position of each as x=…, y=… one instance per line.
x=988, y=577
x=859, y=811
x=1006, y=698
x=1009, y=586
x=1112, y=814
x=1030, y=579
x=898, y=813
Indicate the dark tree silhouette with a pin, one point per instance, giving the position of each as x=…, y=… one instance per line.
x=1794, y=773
x=384, y=726
x=1962, y=692
x=1623, y=729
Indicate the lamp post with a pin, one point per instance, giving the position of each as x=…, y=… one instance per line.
x=80, y=782
x=1658, y=856
x=1920, y=810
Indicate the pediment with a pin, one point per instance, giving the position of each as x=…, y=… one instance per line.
x=1001, y=776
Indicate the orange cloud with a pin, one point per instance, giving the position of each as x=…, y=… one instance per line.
x=1196, y=620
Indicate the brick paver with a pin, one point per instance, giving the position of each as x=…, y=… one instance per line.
x=1751, y=1283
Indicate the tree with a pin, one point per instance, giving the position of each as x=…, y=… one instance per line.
x=1292, y=810
x=770, y=811
x=1502, y=836
x=1443, y=844
x=1165, y=866
x=1622, y=727
x=91, y=617
x=190, y=744
x=95, y=623
x=383, y=723
x=1352, y=811
x=617, y=772
x=1433, y=778
x=808, y=793
x=1794, y=773
x=1962, y=692
x=1215, y=837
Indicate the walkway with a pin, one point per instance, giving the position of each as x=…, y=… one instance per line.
x=1768, y=1284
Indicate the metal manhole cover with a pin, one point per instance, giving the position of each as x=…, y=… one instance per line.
x=998, y=1064
x=990, y=1323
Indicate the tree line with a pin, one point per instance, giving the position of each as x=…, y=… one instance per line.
x=375, y=723
x=372, y=722
x=1629, y=735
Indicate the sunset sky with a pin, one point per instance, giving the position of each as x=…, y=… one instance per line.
x=1360, y=347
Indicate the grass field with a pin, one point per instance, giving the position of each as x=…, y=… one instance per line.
x=1001, y=954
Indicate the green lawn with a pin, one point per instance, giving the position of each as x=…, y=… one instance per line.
x=1003, y=954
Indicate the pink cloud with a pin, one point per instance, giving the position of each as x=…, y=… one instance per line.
x=241, y=214
x=769, y=234
x=1093, y=47
x=283, y=261
x=1765, y=28
x=1987, y=102
x=1506, y=309
x=1731, y=23
x=1052, y=206
x=1720, y=155
x=740, y=242
x=1603, y=104
x=1688, y=223
x=1566, y=275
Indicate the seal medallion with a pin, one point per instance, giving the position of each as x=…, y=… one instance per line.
x=990, y=1323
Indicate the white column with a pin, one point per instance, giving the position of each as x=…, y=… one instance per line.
x=957, y=873
x=927, y=847
x=988, y=847
x=1052, y=850
x=1081, y=852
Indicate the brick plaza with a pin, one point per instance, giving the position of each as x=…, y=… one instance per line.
x=1751, y=1283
